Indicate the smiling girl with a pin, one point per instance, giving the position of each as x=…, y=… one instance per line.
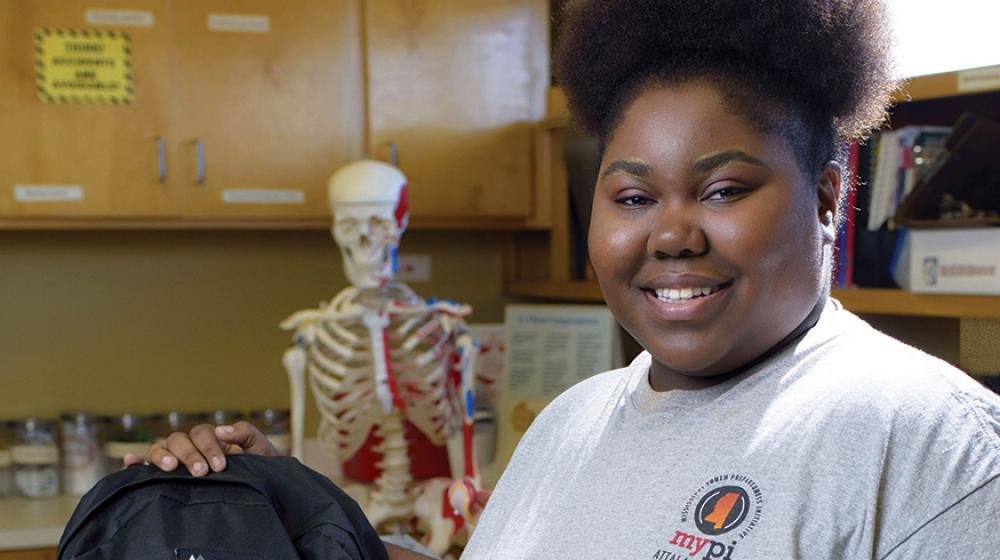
x=763, y=421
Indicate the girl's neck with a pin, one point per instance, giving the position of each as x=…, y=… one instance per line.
x=676, y=380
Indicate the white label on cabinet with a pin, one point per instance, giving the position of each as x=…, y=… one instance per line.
x=979, y=79
x=121, y=18
x=239, y=23
x=262, y=196
x=48, y=193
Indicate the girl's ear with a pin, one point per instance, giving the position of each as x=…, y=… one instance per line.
x=827, y=194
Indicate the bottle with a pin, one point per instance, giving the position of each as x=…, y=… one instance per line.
x=273, y=423
x=35, y=458
x=128, y=433
x=6, y=469
x=177, y=421
x=82, y=453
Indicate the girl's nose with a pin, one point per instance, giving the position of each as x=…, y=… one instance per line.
x=677, y=233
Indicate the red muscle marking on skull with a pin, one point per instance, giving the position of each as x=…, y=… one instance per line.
x=403, y=206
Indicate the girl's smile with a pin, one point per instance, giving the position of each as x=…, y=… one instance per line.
x=694, y=298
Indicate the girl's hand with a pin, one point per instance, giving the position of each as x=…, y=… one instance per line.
x=206, y=447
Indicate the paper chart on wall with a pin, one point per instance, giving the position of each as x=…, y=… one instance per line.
x=552, y=347
x=549, y=349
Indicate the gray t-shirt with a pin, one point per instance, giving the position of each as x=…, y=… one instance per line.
x=847, y=444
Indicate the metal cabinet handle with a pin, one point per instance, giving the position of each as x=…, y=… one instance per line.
x=199, y=150
x=161, y=159
x=393, y=154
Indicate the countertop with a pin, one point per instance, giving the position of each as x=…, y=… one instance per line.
x=34, y=523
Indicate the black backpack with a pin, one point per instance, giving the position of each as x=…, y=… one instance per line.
x=259, y=507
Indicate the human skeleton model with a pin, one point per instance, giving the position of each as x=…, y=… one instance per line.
x=378, y=354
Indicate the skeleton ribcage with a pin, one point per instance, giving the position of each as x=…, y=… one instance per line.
x=342, y=377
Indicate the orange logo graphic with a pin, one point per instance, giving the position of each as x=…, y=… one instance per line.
x=723, y=507
x=721, y=510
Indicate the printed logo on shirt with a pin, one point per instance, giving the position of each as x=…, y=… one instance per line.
x=721, y=510
x=715, y=520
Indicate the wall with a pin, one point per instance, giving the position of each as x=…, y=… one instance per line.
x=152, y=321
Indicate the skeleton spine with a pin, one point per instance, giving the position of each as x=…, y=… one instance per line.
x=394, y=482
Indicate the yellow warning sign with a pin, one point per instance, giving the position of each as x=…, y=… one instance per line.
x=83, y=66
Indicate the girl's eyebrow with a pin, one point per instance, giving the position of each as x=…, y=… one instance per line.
x=706, y=164
x=632, y=167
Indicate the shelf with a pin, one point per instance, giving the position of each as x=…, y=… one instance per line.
x=899, y=302
x=305, y=224
x=34, y=523
x=949, y=84
x=857, y=300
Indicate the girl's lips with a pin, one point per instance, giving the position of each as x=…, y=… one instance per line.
x=692, y=309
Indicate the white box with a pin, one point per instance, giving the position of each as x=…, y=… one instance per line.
x=951, y=261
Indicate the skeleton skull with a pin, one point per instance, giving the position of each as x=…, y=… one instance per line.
x=370, y=210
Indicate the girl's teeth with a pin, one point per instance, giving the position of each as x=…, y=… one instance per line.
x=683, y=293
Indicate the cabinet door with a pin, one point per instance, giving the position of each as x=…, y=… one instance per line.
x=268, y=102
x=83, y=158
x=453, y=84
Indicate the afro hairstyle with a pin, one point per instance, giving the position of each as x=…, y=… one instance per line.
x=817, y=71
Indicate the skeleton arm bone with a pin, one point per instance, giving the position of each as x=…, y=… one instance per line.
x=294, y=361
x=462, y=493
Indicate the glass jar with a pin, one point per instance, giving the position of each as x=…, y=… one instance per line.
x=184, y=421
x=128, y=433
x=6, y=470
x=225, y=417
x=82, y=451
x=273, y=423
x=177, y=421
x=35, y=458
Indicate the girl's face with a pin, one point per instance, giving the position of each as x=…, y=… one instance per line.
x=706, y=236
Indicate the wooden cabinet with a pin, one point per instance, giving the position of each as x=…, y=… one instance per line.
x=454, y=86
x=100, y=159
x=261, y=118
x=243, y=108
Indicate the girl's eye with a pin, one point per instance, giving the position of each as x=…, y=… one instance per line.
x=729, y=193
x=633, y=199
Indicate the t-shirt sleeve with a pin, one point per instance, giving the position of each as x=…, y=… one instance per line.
x=970, y=529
